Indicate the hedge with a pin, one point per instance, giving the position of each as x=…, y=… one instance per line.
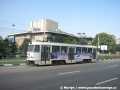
x=108, y=57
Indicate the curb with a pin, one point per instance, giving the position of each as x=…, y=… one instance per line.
x=107, y=59
x=23, y=64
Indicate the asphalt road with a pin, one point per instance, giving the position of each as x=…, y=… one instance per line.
x=62, y=77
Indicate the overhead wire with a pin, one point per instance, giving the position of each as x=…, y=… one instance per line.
x=10, y=29
x=14, y=23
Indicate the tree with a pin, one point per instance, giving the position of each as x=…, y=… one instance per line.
x=1, y=38
x=24, y=45
x=7, y=45
x=49, y=38
x=82, y=41
x=104, y=39
x=117, y=47
x=59, y=38
x=70, y=40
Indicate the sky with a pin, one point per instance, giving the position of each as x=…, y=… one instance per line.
x=73, y=16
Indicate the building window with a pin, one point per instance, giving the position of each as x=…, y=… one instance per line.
x=25, y=35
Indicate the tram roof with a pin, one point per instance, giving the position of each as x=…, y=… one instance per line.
x=61, y=44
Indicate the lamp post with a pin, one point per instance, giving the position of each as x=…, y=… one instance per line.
x=16, y=47
x=83, y=36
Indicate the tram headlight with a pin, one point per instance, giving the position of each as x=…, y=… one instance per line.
x=31, y=57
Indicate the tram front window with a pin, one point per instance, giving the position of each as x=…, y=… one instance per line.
x=36, y=49
x=30, y=48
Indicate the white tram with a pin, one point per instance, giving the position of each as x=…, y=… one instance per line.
x=49, y=53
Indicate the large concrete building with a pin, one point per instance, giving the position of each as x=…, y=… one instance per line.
x=118, y=41
x=40, y=30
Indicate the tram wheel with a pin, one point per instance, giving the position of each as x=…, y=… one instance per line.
x=52, y=63
x=62, y=62
x=27, y=62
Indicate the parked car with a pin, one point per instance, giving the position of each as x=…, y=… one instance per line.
x=2, y=55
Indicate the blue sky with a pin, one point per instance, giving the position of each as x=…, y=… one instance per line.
x=73, y=16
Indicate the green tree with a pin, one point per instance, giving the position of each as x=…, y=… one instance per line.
x=1, y=38
x=117, y=47
x=59, y=38
x=7, y=44
x=70, y=40
x=104, y=39
x=82, y=41
x=49, y=38
x=24, y=45
x=1, y=42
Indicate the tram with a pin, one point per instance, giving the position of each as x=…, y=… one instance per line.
x=50, y=53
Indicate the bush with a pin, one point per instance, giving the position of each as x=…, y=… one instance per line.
x=22, y=56
x=11, y=55
x=109, y=57
x=18, y=53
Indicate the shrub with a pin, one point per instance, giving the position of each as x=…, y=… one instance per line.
x=109, y=57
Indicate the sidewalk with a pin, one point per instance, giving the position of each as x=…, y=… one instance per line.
x=12, y=64
x=12, y=61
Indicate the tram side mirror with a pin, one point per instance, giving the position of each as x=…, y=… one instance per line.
x=30, y=42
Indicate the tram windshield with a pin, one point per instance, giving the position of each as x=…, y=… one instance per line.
x=33, y=48
x=30, y=48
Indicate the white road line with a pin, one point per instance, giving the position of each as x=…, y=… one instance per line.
x=68, y=72
x=113, y=66
x=106, y=81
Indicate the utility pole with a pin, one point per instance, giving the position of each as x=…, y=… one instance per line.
x=98, y=46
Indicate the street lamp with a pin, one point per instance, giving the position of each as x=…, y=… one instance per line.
x=16, y=47
x=10, y=49
x=83, y=36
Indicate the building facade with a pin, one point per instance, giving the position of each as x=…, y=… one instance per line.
x=40, y=30
x=118, y=41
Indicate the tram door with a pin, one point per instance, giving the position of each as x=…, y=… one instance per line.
x=94, y=54
x=71, y=53
x=45, y=54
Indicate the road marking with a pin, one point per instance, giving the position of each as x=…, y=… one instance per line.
x=106, y=81
x=113, y=66
x=68, y=72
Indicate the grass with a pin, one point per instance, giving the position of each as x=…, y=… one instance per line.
x=13, y=62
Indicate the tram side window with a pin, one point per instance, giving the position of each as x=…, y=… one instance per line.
x=63, y=49
x=89, y=50
x=78, y=49
x=84, y=50
x=56, y=49
x=36, y=49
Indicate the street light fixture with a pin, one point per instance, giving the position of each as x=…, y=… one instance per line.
x=16, y=45
x=10, y=49
x=83, y=36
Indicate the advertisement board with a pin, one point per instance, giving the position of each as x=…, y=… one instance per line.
x=104, y=47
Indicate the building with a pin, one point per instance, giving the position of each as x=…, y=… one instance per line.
x=40, y=30
x=118, y=41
